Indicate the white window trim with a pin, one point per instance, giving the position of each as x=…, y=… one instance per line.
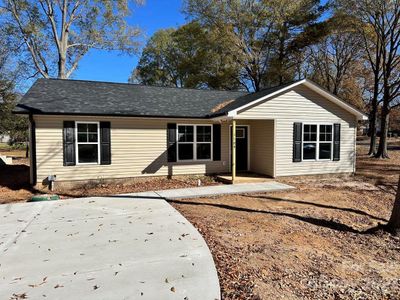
x=242, y=130
x=317, y=142
x=194, y=143
x=87, y=143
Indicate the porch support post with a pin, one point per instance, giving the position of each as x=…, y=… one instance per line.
x=233, y=162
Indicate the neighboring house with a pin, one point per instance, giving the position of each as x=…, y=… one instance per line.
x=4, y=138
x=85, y=130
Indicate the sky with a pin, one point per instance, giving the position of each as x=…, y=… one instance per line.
x=112, y=66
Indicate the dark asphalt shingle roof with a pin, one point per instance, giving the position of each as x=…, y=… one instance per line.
x=63, y=96
x=57, y=96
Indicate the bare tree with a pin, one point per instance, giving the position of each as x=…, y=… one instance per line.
x=56, y=34
x=333, y=59
x=380, y=19
x=389, y=32
x=373, y=46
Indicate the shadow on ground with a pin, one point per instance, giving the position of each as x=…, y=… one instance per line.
x=330, y=224
x=346, y=209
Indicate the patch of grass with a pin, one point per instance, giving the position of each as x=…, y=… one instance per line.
x=16, y=150
x=4, y=146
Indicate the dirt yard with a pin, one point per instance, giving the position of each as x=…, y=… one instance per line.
x=309, y=243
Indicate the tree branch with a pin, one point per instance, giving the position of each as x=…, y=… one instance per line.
x=50, y=15
x=33, y=50
x=75, y=64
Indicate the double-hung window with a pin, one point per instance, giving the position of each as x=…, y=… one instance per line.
x=87, y=142
x=317, y=141
x=325, y=141
x=194, y=142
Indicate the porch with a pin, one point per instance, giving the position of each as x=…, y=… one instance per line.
x=247, y=177
x=251, y=151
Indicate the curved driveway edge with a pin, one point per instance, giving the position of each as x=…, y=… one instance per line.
x=119, y=247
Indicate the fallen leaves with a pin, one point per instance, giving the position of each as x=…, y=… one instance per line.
x=269, y=256
x=37, y=285
x=19, y=296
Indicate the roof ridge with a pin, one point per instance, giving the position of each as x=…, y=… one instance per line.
x=144, y=85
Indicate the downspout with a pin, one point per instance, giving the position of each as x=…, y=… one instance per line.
x=32, y=142
x=233, y=167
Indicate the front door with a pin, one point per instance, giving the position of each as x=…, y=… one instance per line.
x=241, y=148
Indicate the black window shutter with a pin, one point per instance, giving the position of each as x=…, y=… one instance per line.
x=105, y=143
x=171, y=142
x=216, y=142
x=336, y=142
x=69, y=143
x=297, y=136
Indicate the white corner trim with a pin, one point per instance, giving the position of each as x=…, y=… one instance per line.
x=360, y=116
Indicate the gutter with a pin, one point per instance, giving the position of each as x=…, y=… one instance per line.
x=29, y=111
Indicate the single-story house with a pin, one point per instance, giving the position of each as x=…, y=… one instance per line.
x=86, y=130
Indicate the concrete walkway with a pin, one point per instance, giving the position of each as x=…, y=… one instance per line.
x=207, y=191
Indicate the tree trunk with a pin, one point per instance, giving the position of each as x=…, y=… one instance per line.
x=394, y=221
x=372, y=130
x=61, y=66
x=382, y=147
x=372, y=117
x=281, y=54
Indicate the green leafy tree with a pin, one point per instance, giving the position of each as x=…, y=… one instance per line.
x=12, y=125
x=266, y=37
x=246, y=26
x=157, y=64
x=189, y=56
x=56, y=34
x=297, y=25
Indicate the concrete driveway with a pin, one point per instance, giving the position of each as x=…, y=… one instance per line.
x=121, y=247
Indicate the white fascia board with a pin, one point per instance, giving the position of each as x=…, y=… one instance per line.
x=222, y=118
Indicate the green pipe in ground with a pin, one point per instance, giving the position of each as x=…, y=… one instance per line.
x=38, y=198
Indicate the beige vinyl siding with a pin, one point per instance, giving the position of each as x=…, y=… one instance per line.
x=304, y=105
x=262, y=147
x=138, y=148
